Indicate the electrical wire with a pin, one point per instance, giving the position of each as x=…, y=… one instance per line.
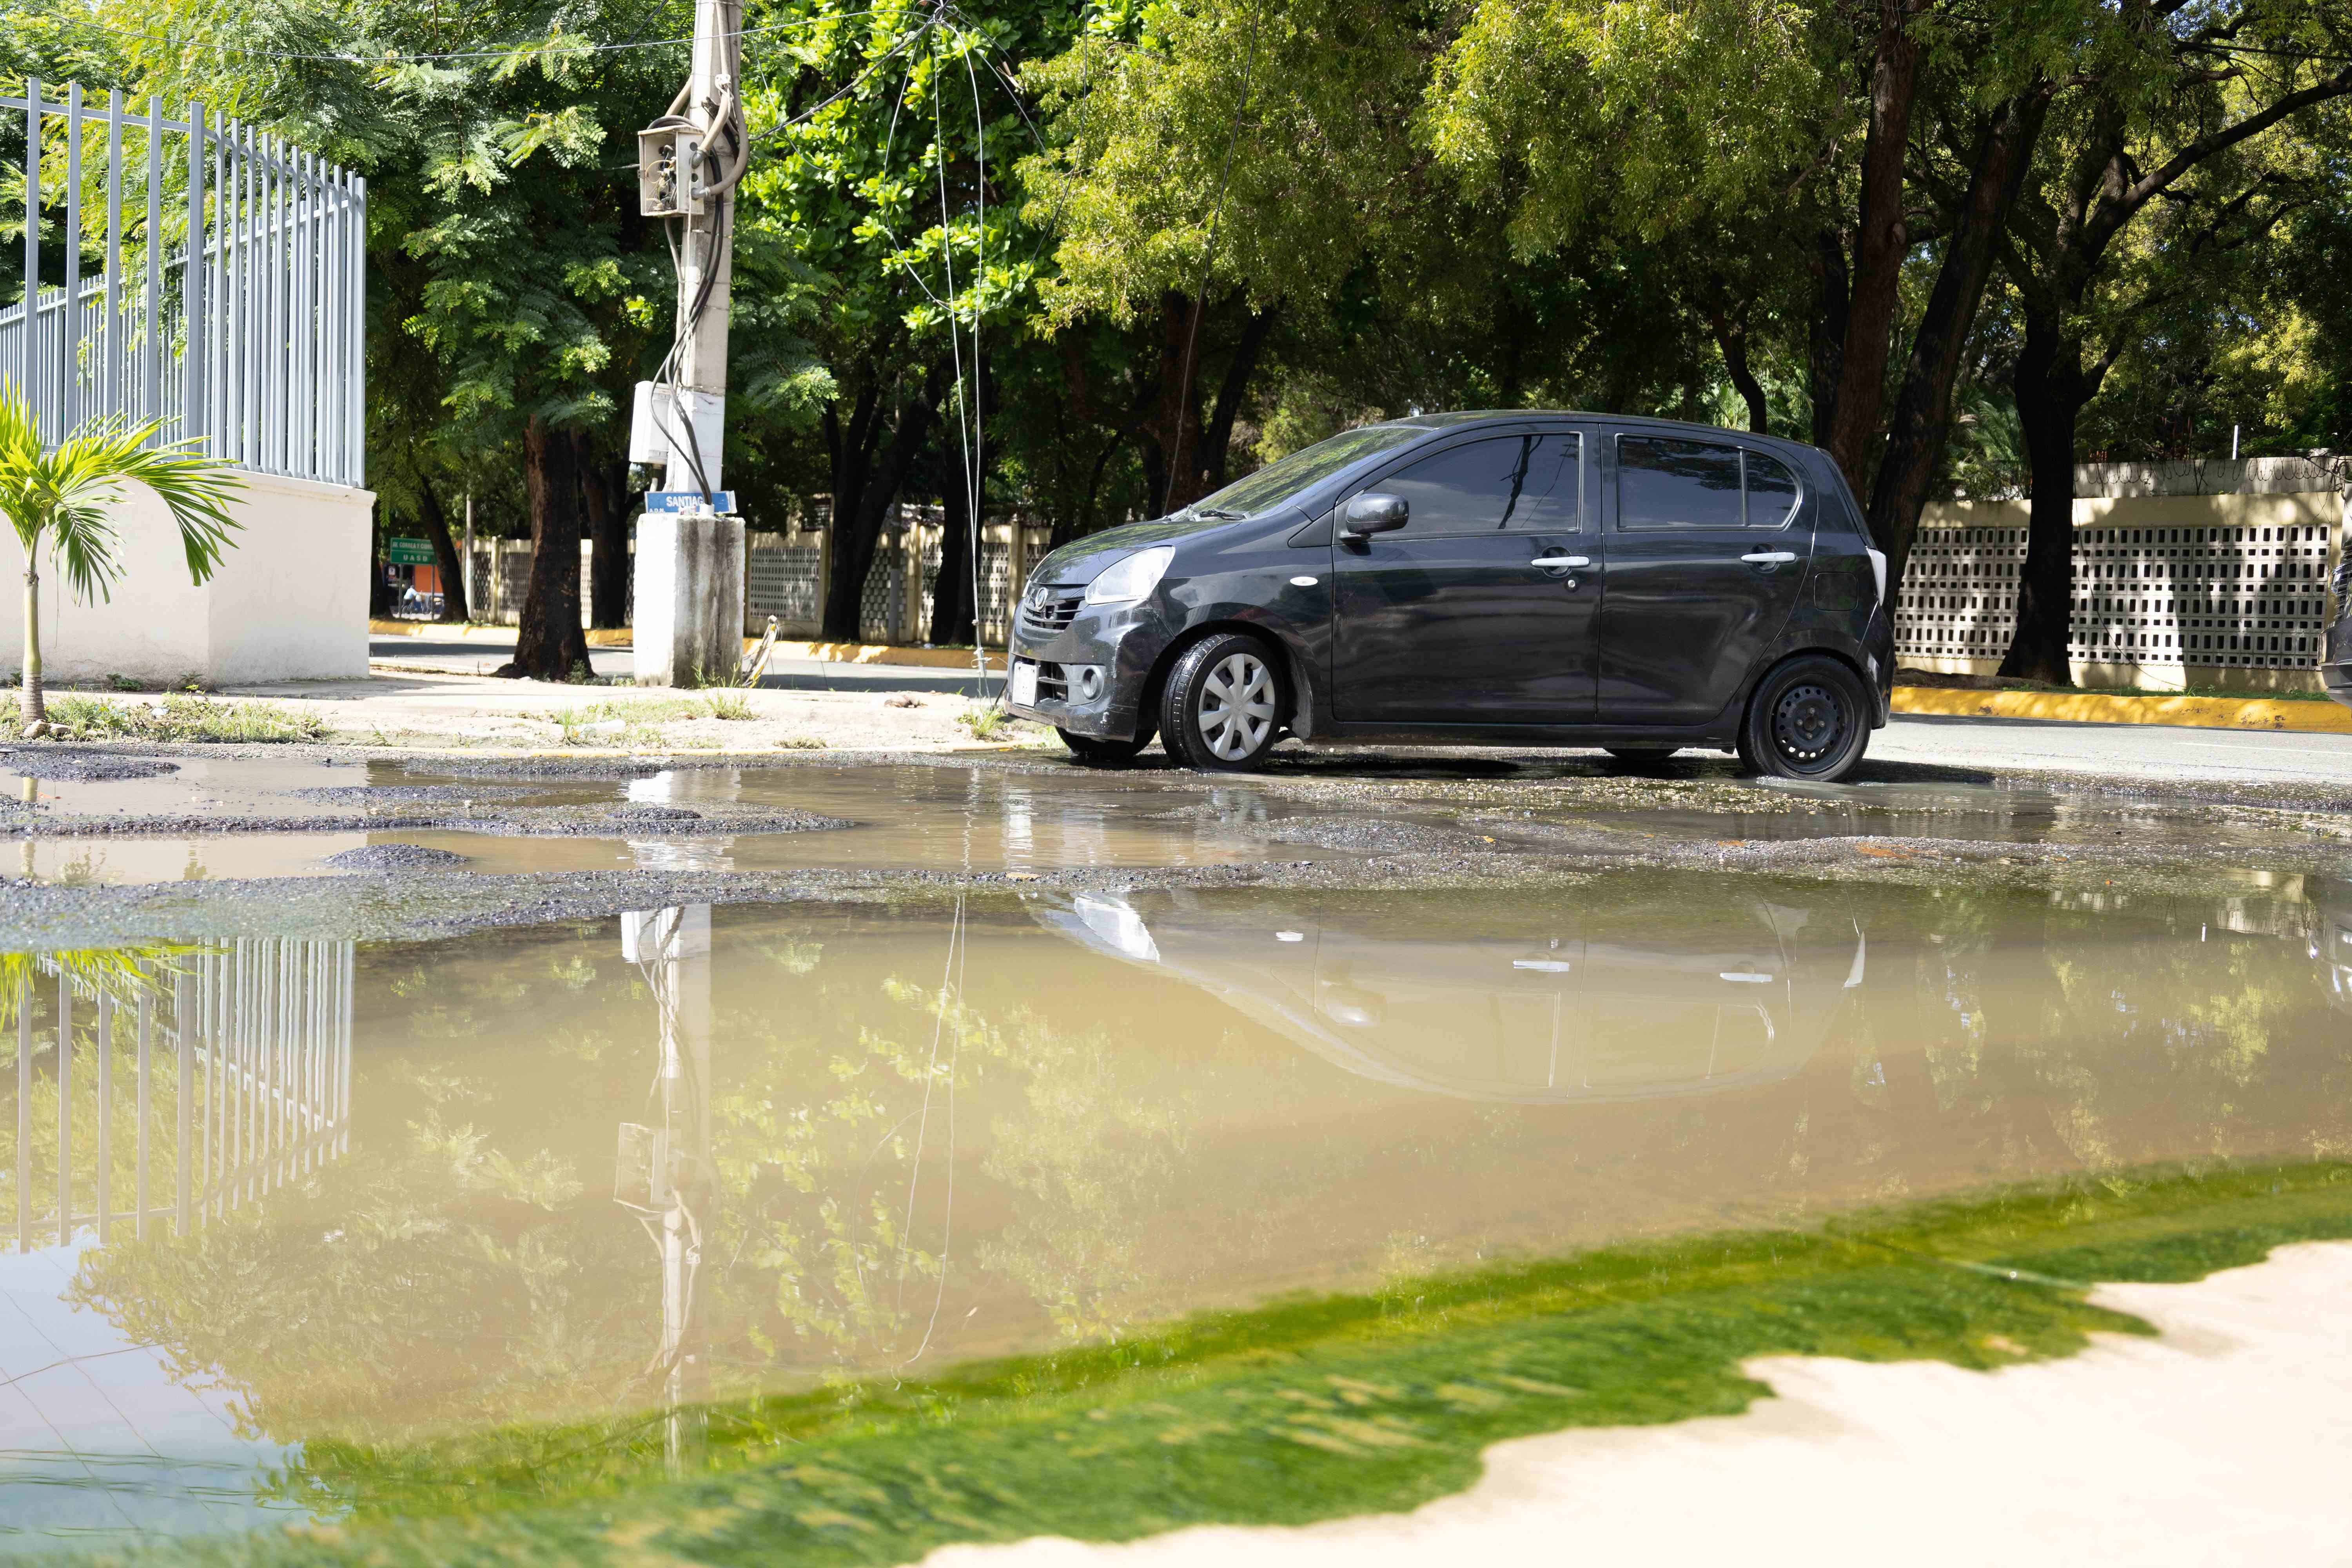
x=494, y=52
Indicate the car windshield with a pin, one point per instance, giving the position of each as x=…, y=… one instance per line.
x=1284, y=477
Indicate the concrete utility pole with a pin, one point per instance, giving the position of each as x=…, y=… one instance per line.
x=689, y=562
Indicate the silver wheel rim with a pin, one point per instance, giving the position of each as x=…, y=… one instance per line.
x=1237, y=706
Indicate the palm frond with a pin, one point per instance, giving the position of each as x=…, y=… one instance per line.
x=65, y=495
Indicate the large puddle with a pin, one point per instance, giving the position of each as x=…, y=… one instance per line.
x=286, y=1196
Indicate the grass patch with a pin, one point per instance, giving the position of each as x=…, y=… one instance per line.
x=181, y=717
x=987, y=723
x=727, y=705
x=618, y=724
x=1304, y=1409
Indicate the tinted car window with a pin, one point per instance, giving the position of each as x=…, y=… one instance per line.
x=1284, y=477
x=1666, y=482
x=1772, y=491
x=1508, y=481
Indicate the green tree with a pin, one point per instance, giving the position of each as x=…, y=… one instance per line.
x=2177, y=151
x=58, y=499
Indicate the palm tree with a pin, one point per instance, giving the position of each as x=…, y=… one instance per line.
x=61, y=498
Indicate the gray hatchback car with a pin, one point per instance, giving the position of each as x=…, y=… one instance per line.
x=1635, y=586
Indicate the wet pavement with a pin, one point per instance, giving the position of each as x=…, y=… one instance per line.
x=988, y=1060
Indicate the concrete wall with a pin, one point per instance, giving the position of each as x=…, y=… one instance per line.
x=2214, y=575
x=289, y=601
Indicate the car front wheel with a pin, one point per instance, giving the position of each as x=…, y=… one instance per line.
x=1808, y=718
x=1222, y=708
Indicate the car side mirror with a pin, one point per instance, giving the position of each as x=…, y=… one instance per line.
x=1374, y=513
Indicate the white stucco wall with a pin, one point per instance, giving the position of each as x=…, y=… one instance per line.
x=289, y=601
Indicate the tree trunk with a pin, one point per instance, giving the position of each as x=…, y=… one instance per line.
x=1922, y=418
x=608, y=537
x=550, y=645
x=31, y=705
x=867, y=473
x=2049, y=387
x=1825, y=341
x=1882, y=239
x=954, y=616
x=1217, y=443
x=379, y=590
x=445, y=551
x=1731, y=342
x=1177, y=427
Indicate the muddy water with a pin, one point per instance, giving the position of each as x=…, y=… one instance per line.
x=372, y=1194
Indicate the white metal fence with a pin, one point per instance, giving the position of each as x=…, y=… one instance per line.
x=213, y=277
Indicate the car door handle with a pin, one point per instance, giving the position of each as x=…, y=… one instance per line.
x=1560, y=561
x=1770, y=557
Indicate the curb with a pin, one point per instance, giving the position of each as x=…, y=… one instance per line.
x=2316, y=717
x=881, y=653
x=598, y=636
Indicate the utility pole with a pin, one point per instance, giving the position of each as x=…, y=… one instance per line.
x=706, y=264
x=690, y=563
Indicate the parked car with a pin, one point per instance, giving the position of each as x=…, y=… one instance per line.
x=1606, y=1004
x=1637, y=585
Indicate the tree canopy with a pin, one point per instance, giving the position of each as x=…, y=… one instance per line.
x=1096, y=260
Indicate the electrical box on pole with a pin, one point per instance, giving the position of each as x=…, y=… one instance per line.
x=669, y=178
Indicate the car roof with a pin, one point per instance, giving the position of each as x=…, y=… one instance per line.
x=1456, y=419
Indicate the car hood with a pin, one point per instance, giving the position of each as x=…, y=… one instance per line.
x=1083, y=559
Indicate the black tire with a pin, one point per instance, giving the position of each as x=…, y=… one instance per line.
x=1095, y=751
x=1640, y=756
x=1201, y=724
x=1808, y=719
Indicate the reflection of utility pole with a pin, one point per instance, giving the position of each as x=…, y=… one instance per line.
x=663, y=1173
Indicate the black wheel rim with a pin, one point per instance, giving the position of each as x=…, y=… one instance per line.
x=1810, y=722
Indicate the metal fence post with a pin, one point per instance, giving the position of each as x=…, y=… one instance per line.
x=192, y=285
x=27, y=382
x=69, y=310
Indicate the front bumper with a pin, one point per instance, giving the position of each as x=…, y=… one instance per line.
x=1121, y=642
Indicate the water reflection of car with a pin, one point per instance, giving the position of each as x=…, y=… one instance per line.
x=1598, y=1006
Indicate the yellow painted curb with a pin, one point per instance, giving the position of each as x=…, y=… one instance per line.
x=598, y=636
x=880, y=653
x=2085, y=708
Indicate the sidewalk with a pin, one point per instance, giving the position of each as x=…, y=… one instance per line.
x=429, y=648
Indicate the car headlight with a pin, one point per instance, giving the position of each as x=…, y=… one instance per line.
x=1130, y=578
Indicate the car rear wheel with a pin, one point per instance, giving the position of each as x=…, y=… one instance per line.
x=1222, y=708
x=1098, y=752
x=1808, y=718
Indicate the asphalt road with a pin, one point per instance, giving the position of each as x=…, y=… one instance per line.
x=2144, y=751
x=2138, y=750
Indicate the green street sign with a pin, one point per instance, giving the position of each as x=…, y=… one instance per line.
x=412, y=553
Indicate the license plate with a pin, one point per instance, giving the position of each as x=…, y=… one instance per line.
x=1025, y=684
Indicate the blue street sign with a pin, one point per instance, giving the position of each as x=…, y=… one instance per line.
x=721, y=502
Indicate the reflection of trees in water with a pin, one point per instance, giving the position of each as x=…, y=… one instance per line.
x=846, y=1192
x=2061, y=1041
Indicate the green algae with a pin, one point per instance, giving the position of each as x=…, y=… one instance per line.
x=1303, y=1409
